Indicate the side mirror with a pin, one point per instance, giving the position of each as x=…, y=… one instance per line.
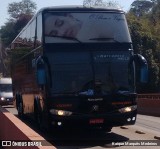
x=143, y=68
x=144, y=75
x=40, y=71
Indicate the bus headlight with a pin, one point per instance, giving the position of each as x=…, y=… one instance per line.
x=2, y=98
x=60, y=112
x=128, y=109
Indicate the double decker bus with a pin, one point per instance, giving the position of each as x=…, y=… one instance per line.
x=75, y=67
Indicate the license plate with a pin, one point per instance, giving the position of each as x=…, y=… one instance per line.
x=96, y=121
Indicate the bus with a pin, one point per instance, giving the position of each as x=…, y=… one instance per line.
x=6, y=94
x=74, y=67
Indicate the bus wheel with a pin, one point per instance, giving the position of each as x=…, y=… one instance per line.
x=20, y=110
x=38, y=117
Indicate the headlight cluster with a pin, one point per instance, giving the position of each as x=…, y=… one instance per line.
x=2, y=98
x=128, y=109
x=60, y=112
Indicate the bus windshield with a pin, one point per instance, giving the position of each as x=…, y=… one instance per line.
x=5, y=87
x=78, y=72
x=63, y=27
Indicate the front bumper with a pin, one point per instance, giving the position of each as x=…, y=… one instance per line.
x=99, y=120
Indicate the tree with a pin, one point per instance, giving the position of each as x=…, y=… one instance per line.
x=146, y=41
x=19, y=15
x=101, y=3
x=7, y=33
x=141, y=7
x=155, y=15
x=24, y=8
x=91, y=3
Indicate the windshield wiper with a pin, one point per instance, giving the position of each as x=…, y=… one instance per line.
x=88, y=92
x=125, y=93
x=104, y=39
x=67, y=38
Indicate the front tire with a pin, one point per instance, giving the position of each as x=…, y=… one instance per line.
x=20, y=110
x=38, y=117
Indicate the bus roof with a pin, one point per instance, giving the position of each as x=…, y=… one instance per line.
x=80, y=7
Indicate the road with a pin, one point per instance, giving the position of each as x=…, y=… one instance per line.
x=146, y=130
x=148, y=124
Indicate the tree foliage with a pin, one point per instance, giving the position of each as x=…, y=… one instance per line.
x=145, y=30
x=7, y=33
x=24, y=8
x=20, y=13
x=101, y=3
x=141, y=7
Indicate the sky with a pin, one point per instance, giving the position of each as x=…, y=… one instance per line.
x=125, y=4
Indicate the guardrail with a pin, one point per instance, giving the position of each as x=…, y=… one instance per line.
x=149, y=104
x=149, y=96
x=14, y=134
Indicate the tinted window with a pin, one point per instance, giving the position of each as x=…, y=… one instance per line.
x=86, y=27
x=81, y=71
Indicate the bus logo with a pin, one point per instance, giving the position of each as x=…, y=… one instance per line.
x=95, y=108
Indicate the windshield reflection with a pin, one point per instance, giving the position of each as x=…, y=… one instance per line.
x=5, y=87
x=83, y=73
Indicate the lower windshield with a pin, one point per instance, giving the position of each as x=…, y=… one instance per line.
x=82, y=72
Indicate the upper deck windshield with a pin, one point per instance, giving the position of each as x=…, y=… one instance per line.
x=96, y=71
x=87, y=27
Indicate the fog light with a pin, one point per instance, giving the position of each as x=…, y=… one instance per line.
x=134, y=118
x=129, y=119
x=59, y=123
